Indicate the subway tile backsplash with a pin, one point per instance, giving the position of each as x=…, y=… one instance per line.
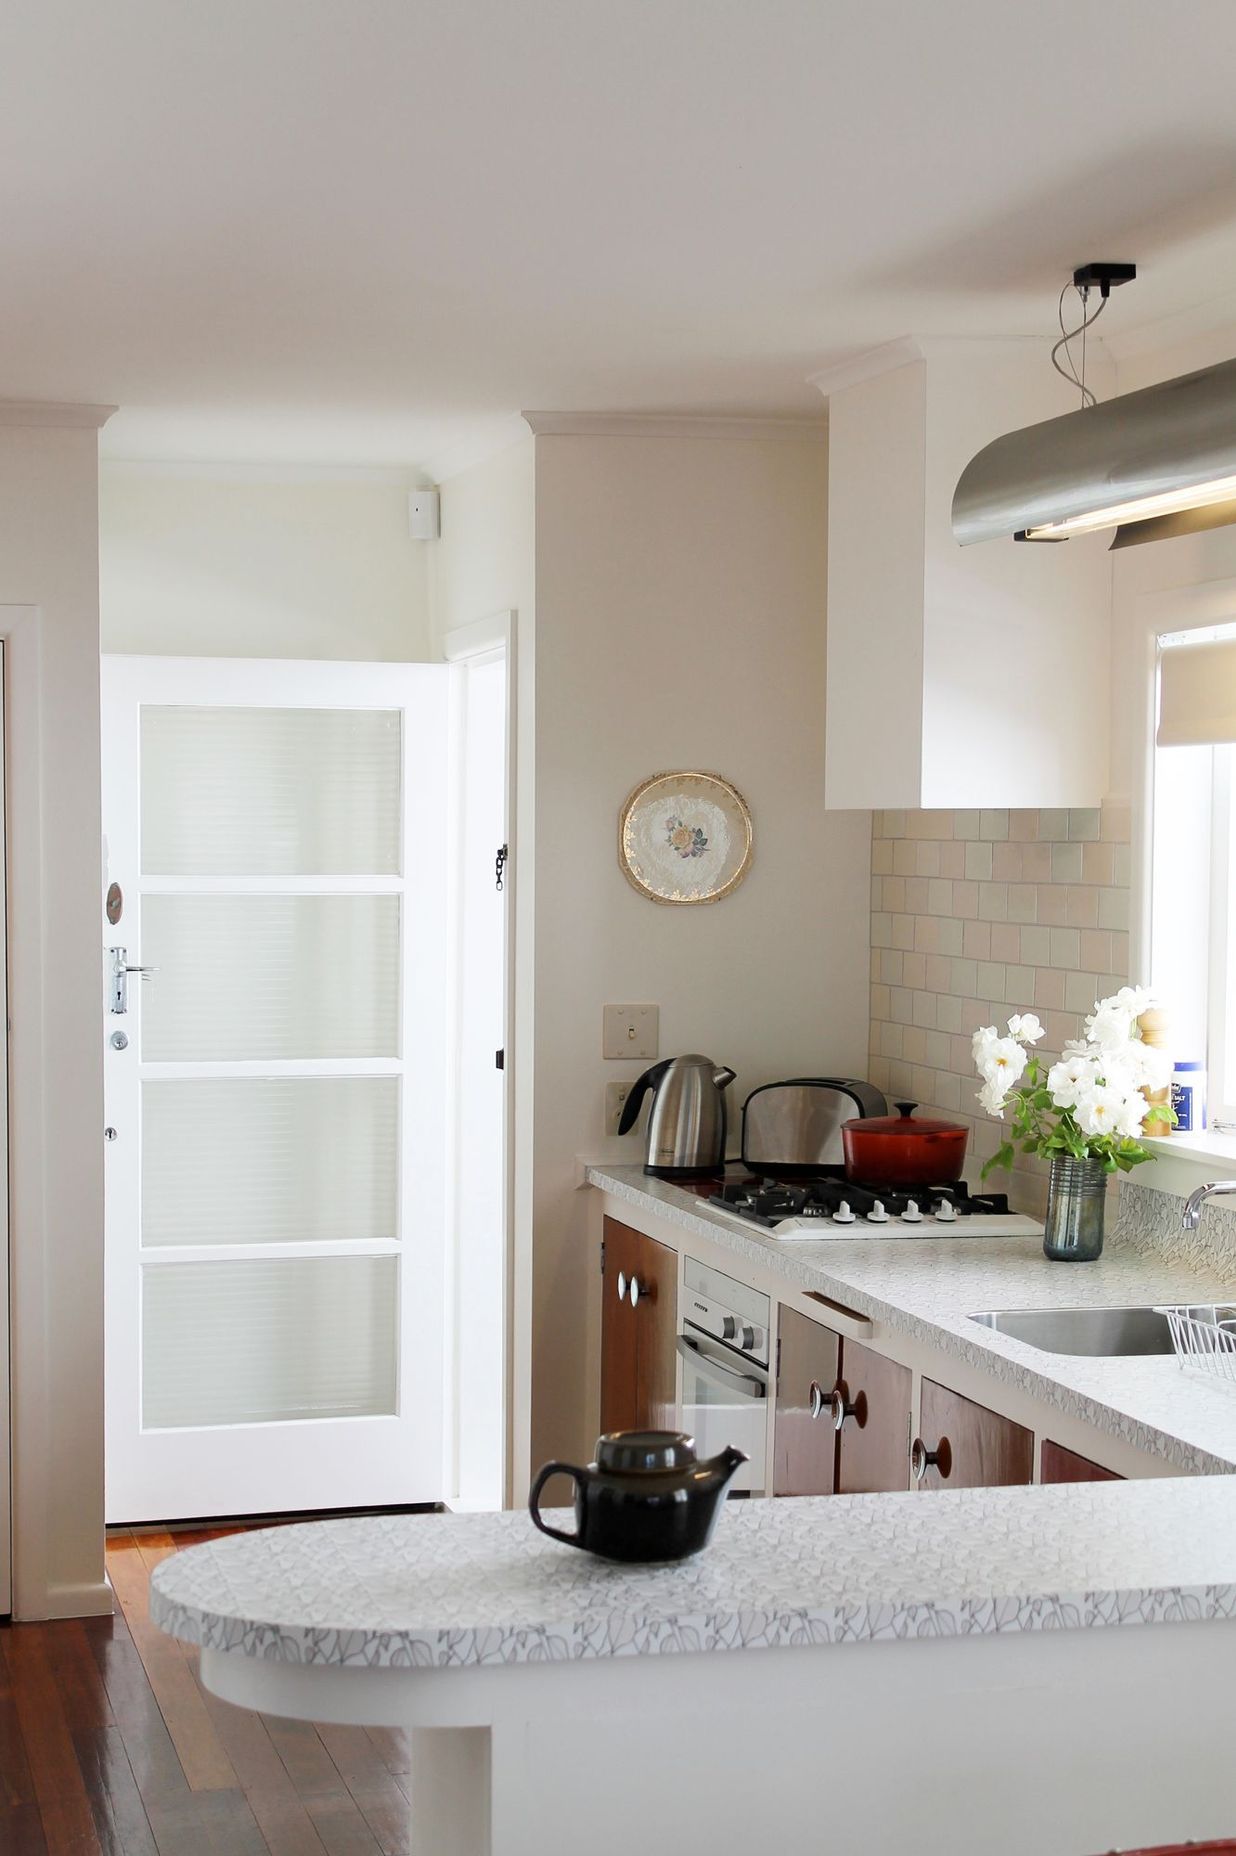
x=976, y=914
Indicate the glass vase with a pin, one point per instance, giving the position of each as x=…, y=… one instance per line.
x=1076, y=1208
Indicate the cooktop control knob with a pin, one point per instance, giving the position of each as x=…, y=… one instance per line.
x=911, y=1214
x=748, y=1338
x=877, y=1214
x=729, y=1327
x=946, y=1212
x=843, y=1214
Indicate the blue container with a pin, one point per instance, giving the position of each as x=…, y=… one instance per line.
x=1189, y=1097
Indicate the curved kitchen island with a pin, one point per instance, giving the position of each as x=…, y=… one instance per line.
x=1028, y=1670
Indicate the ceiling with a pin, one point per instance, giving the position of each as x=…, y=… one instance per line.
x=370, y=231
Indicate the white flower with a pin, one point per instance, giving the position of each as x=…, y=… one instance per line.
x=1132, y=1115
x=1114, y=1020
x=981, y=1043
x=1025, y=1027
x=1099, y=1109
x=1148, y=1067
x=1077, y=1072
x=1001, y=1063
x=992, y=1097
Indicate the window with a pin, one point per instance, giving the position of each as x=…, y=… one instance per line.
x=1193, y=920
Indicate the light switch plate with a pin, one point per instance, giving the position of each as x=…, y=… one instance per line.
x=615, y=1101
x=631, y=1031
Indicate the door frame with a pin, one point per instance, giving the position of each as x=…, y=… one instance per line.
x=503, y=631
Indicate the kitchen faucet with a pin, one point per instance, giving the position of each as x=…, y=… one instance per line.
x=1191, y=1217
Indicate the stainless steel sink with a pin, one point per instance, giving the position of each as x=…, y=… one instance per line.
x=1098, y=1332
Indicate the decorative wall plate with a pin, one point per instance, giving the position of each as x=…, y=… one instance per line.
x=685, y=837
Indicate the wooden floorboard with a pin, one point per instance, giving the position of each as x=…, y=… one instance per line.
x=110, y=1746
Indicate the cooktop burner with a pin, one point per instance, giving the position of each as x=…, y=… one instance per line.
x=829, y=1205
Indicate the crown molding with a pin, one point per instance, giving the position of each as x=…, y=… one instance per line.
x=866, y=365
x=675, y=425
x=55, y=413
x=404, y=477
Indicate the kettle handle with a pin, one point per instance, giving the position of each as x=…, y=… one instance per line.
x=577, y=1476
x=639, y=1089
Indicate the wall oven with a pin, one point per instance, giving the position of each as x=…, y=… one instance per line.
x=723, y=1347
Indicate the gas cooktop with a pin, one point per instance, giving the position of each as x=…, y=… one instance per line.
x=827, y=1205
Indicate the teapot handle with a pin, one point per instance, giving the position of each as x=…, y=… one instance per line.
x=543, y=1475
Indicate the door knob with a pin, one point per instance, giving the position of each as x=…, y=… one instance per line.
x=922, y=1459
x=839, y=1407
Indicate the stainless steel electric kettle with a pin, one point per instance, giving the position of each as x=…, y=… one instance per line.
x=686, y=1126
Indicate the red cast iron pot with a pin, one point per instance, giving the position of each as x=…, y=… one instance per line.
x=904, y=1150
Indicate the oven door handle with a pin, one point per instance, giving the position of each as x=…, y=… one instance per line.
x=745, y=1384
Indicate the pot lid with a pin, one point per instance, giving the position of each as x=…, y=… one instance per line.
x=641, y=1453
x=905, y=1121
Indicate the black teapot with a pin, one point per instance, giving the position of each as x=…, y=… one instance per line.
x=646, y=1498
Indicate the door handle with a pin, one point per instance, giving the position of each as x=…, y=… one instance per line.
x=118, y=993
x=922, y=1459
x=725, y=1376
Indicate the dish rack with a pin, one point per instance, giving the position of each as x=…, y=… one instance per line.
x=1204, y=1336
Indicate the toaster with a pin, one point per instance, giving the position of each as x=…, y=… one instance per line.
x=795, y=1127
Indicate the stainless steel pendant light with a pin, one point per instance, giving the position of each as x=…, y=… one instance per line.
x=1150, y=464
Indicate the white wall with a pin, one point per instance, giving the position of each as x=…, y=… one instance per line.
x=247, y=564
x=680, y=589
x=49, y=562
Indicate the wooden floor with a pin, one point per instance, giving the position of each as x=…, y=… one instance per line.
x=109, y=1744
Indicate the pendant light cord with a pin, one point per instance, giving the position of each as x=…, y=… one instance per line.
x=1069, y=372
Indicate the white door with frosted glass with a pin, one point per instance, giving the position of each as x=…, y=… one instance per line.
x=276, y=1086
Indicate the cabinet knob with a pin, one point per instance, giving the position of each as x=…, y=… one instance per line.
x=622, y=1286
x=839, y=1407
x=815, y=1398
x=922, y=1459
x=638, y=1288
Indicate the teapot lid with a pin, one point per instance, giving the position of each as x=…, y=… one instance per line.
x=635, y=1453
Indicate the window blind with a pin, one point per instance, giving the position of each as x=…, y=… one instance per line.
x=1197, y=694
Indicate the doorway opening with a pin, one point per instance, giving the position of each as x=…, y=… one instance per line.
x=305, y=1192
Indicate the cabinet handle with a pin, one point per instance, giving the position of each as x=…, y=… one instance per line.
x=815, y=1398
x=922, y=1459
x=839, y=1407
x=622, y=1286
x=638, y=1288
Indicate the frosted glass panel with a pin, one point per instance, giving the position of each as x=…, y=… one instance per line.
x=247, y=1343
x=270, y=976
x=270, y=792
x=269, y=1162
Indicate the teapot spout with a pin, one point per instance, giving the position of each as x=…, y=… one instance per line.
x=720, y=1470
x=723, y=1076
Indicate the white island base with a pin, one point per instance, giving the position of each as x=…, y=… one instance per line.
x=671, y=1712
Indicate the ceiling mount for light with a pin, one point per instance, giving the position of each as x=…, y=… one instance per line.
x=1150, y=464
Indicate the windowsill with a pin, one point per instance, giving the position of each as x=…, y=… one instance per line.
x=1205, y=1147
x=1183, y=1161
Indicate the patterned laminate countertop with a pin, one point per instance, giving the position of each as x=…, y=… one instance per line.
x=445, y=1591
x=928, y=1288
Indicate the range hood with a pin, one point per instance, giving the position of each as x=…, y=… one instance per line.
x=1151, y=464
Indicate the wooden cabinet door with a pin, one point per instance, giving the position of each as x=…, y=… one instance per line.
x=619, y=1329
x=804, y=1441
x=874, y=1441
x=1060, y=1465
x=973, y=1448
x=656, y=1327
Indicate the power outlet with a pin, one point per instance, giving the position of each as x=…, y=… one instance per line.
x=615, y=1101
x=631, y=1031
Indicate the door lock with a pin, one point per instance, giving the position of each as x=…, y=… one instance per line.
x=118, y=978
